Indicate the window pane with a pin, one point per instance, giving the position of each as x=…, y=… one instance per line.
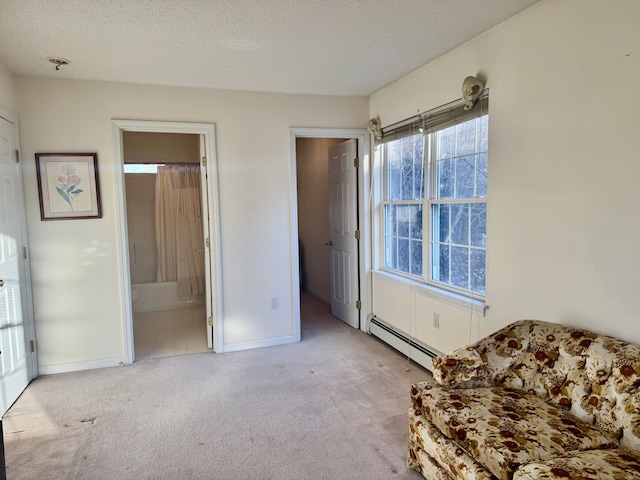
x=415, y=228
x=481, y=175
x=393, y=154
x=394, y=183
x=441, y=213
x=418, y=182
x=461, y=160
x=466, y=138
x=411, y=148
x=142, y=167
x=390, y=220
x=465, y=177
x=478, y=262
x=441, y=263
x=460, y=267
x=458, y=245
x=403, y=235
x=478, y=224
x=483, y=135
x=403, y=255
x=390, y=252
x=446, y=143
x=404, y=219
x=444, y=179
x=405, y=175
x=460, y=224
x=406, y=188
x=416, y=257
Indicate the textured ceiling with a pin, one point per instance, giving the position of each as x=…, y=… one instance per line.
x=337, y=47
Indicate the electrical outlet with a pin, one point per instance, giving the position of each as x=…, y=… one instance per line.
x=436, y=320
x=274, y=303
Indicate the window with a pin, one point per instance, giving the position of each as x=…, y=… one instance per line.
x=142, y=167
x=434, y=202
x=403, y=205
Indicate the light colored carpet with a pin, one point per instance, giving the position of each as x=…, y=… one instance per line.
x=333, y=406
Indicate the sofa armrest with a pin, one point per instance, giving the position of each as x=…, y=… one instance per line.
x=462, y=368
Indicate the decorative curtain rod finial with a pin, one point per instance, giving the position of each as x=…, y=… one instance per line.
x=471, y=90
x=373, y=127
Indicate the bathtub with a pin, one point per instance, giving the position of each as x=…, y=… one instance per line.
x=162, y=296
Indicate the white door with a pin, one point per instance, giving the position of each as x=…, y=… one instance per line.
x=15, y=357
x=343, y=218
x=207, y=241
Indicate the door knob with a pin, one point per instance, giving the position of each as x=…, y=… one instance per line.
x=1, y=283
x=329, y=243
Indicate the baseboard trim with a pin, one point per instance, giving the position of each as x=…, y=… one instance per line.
x=270, y=342
x=78, y=366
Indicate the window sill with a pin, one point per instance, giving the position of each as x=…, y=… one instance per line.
x=476, y=306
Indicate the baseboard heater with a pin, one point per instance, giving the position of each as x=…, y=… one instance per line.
x=412, y=348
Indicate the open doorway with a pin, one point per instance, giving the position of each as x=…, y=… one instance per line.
x=313, y=151
x=312, y=166
x=129, y=135
x=166, y=243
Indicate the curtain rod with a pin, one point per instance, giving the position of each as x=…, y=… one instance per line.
x=433, y=112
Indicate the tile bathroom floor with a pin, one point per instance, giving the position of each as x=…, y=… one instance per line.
x=166, y=333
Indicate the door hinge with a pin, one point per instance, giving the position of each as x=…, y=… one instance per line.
x=24, y=253
x=358, y=304
x=356, y=162
x=206, y=242
x=17, y=156
x=204, y=161
x=32, y=346
x=210, y=321
x=357, y=234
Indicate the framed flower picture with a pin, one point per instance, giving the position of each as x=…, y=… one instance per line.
x=68, y=186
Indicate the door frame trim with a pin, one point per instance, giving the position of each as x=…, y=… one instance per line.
x=208, y=131
x=364, y=177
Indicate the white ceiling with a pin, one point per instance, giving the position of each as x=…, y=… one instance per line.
x=336, y=47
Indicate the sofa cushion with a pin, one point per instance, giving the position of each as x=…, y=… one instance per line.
x=616, y=464
x=444, y=451
x=503, y=428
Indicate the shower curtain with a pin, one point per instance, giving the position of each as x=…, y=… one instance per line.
x=179, y=231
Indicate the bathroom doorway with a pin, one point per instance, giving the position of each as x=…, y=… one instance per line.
x=166, y=243
x=169, y=238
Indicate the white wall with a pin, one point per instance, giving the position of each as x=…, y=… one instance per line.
x=140, y=191
x=563, y=223
x=173, y=147
x=312, y=157
x=76, y=282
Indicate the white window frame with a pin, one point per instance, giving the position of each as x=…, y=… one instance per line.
x=431, y=200
x=384, y=203
x=426, y=281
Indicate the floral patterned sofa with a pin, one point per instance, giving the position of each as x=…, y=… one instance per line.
x=533, y=400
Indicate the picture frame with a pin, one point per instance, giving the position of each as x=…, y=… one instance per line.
x=68, y=186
